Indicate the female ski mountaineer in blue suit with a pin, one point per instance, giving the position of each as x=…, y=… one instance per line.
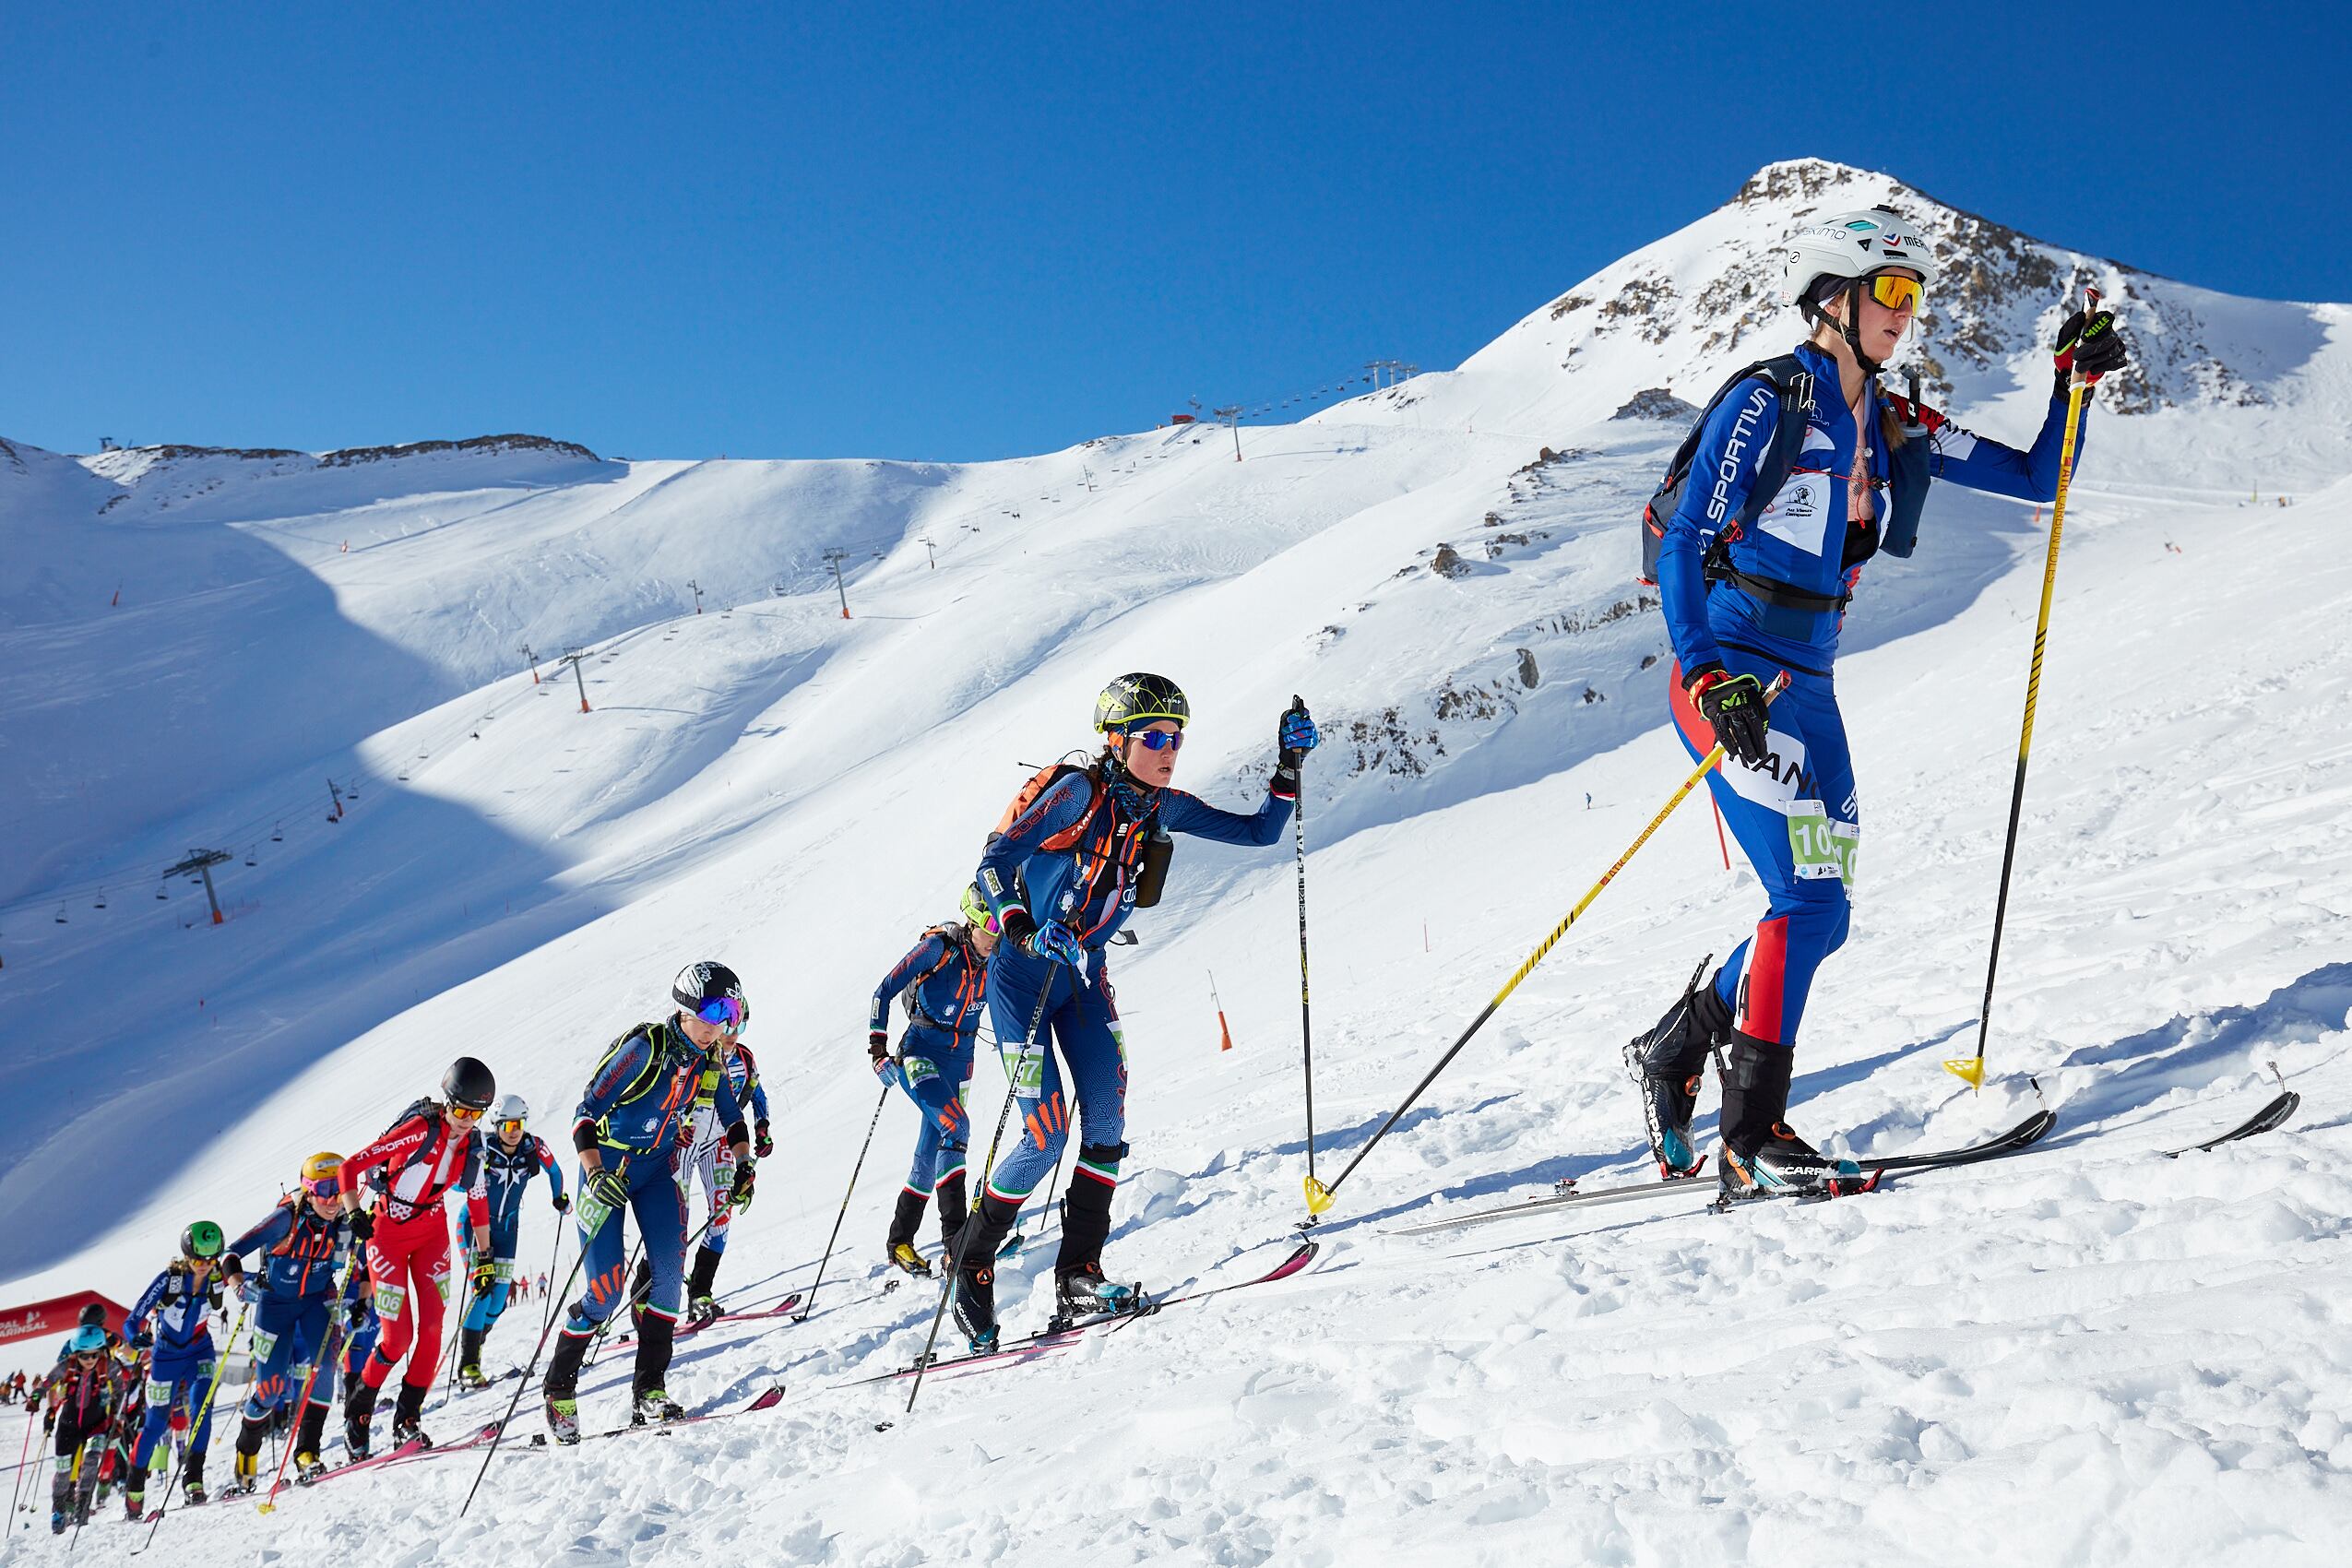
x=1081, y=848
x=944, y=981
x=1750, y=591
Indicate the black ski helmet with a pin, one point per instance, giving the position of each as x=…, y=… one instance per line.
x=708, y=981
x=468, y=1083
x=93, y=1316
x=1140, y=698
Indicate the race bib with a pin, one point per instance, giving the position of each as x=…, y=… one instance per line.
x=1028, y=1073
x=1819, y=847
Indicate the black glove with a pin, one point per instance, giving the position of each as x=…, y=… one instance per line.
x=363, y=1225
x=740, y=1195
x=1018, y=927
x=2089, y=346
x=762, y=1145
x=356, y=1315
x=877, y=1047
x=563, y=1202
x=1734, y=705
x=607, y=1187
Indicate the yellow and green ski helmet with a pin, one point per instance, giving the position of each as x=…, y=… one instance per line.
x=1138, y=699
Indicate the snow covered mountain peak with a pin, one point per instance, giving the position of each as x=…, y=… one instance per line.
x=1682, y=312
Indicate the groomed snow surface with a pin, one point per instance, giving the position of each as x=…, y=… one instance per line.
x=2089, y=1354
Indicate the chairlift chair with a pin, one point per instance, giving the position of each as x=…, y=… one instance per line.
x=101, y=900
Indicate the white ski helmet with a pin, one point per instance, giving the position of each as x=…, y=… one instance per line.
x=512, y=1109
x=1854, y=244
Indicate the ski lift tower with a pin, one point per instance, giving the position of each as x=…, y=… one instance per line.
x=833, y=558
x=574, y=657
x=200, y=863
x=1232, y=416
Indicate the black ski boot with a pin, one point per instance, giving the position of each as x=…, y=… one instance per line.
x=310, y=1436
x=1079, y=1289
x=562, y=1382
x=975, y=1285
x=192, y=1482
x=244, y=1475
x=1667, y=1064
x=358, y=1410
x=655, y=1342
x=903, y=1225
x=1763, y=1156
x=1083, y=1293
x=952, y=1211
x=469, y=1359
x=406, y=1412
x=701, y=1303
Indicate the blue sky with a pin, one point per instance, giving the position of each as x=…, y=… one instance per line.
x=970, y=232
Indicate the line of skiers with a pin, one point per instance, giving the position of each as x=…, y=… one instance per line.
x=1790, y=491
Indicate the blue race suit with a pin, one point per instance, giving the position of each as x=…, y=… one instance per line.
x=1089, y=886
x=1797, y=816
x=944, y=981
x=303, y=1256
x=180, y=1367
x=636, y=1103
x=506, y=1172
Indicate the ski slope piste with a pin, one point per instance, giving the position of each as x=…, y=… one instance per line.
x=350, y=794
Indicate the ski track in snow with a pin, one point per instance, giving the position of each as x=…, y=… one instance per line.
x=2084, y=1355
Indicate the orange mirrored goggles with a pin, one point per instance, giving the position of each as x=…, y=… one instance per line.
x=1897, y=293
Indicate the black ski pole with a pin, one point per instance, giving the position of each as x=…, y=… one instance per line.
x=802, y=1315
x=1306, y=1022
x=555, y=1256
x=988, y=1168
x=525, y=1382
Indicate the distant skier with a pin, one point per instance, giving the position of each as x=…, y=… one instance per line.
x=80, y=1392
x=172, y=1322
x=1743, y=604
x=1085, y=845
x=626, y=1133
x=512, y=1156
x=433, y=1149
x=306, y=1245
x=944, y=981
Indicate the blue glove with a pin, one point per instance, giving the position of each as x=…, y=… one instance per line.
x=1295, y=738
x=1054, y=941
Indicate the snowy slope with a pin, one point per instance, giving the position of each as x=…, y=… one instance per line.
x=2101, y=1356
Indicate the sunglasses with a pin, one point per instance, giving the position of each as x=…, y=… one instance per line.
x=465, y=1113
x=725, y=1011
x=1899, y=293
x=1159, y=739
x=324, y=1188
x=510, y=1129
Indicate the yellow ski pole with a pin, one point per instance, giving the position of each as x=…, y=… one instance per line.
x=1321, y=1196
x=1971, y=1069
x=219, y=1374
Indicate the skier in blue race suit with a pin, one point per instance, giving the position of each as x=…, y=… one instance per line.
x=1744, y=603
x=1080, y=849
x=626, y=1134
x=172, y=1322
x=944, y=981
x=306, y=1245
x=512, y=1157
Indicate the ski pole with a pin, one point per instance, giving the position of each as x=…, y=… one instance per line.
x=1306, y=1031
x=1971, y=1069
x=1013, y=1245
x=204, y=1413
x=802, y=1316
x=988, y=1169
x=1320, y=1197
x=24, y=1457
x=628, y=1272
x=327, y=1346
x=555, y=1256
x=525, y=1382
x=449, y=1378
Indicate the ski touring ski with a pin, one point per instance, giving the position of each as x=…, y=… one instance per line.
x=415, y=1448
x=1044, y=1342
x=2024, y=1135
x=2270, y=1117
x=687, y=1327
x=769, y=1399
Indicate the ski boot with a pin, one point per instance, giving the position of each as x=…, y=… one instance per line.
x=134, y=1506
x=702, y=1298
x=654, y=1408
x=244, y=1475
x=1082, y=1293
x=469, y=1376
x=358, y=1411
x=1668, y=1064
x=192, y=1491
x=1763, y=1156
x=57, y=1521
x=975, y=1306
x=405, y=1415
x=308, y=1467
x=564, y=1420
x=903, y=1224
x=471, y=1379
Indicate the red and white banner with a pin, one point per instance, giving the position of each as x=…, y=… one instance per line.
x=57, y=1315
